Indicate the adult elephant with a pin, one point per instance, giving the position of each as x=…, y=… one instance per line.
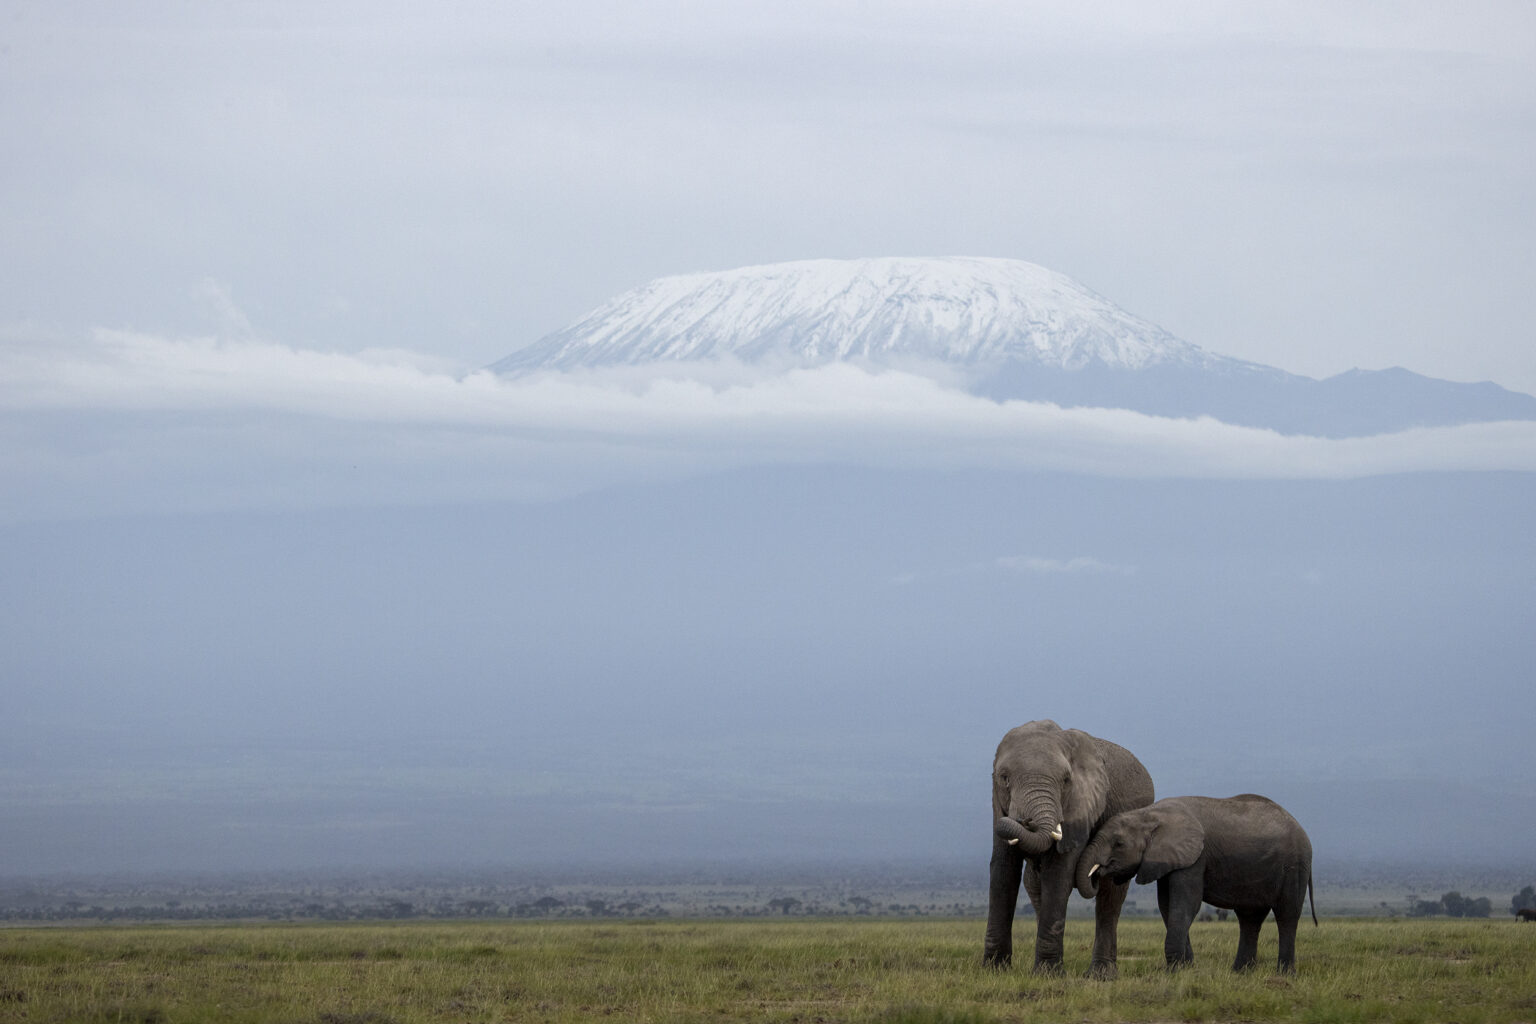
x=1051, y=790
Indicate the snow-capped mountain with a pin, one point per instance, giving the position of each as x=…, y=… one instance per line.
x=966, y=311
x=1006, y=328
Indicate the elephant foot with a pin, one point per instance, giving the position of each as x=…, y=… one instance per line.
x=1104, y=970
x=1049, y=968
x=997, y=961
x=1244, y=965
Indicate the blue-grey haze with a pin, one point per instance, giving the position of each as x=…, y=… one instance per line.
x=775, y=664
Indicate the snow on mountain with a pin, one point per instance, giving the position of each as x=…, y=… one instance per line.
x=1006, y=328
x=967, y=311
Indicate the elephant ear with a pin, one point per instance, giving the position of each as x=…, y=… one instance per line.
x=1087, y=792
x=1176, y=841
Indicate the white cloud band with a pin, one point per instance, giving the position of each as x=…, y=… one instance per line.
x=156, y=403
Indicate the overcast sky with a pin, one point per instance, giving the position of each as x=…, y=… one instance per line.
x=1311, y=185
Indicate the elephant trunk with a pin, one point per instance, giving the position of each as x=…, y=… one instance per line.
x=1033, y=822
x=1090, y=871
x=1032, y=843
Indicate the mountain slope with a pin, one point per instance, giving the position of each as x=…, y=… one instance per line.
x=1006, y=328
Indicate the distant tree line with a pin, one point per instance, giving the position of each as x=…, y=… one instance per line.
x=1452, y=904
x=389, y=908
x=362, y=901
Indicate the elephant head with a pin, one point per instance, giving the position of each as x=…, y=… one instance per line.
x=1146, y=844
x=1049, y=786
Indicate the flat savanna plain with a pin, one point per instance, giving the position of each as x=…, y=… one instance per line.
x=847, y=969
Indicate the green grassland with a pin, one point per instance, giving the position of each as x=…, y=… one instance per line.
x=848, y=969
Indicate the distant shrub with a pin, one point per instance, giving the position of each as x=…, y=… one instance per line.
x=1457, y=905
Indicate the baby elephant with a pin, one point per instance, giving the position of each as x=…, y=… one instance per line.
x=1244, y=853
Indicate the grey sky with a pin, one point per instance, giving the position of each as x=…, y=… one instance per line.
x=1311, y=187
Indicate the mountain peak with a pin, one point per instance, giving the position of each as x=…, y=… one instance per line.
x=972, y=311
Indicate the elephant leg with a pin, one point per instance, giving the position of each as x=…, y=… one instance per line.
x=1003, y=899
x=1106, y=923
x=1032, y=886
x=1287, y=924
x=1248, y=924
x=1055, y=882
x=1178, y=900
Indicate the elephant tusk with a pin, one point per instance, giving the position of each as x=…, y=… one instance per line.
x=1056, y=833
x=1093, y=871
x=1013, y=842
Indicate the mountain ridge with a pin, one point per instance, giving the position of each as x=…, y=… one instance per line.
x=1007, y=328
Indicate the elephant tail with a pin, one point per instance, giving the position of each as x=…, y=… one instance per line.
x=1311, y=901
